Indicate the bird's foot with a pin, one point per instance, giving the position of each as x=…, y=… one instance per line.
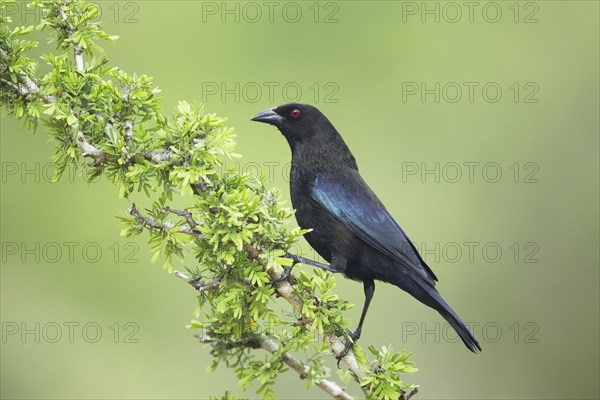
x=353, y=337
x=285, y=275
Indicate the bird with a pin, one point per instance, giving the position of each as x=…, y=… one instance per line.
x=348, y=225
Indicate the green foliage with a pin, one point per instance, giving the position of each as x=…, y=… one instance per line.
x=181, y=157
x=321, y=306
x=383, y=379
x=226, y=396
x=72, y=23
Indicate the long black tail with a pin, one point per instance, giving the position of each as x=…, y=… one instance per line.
x=428, y=295
x=459, y=326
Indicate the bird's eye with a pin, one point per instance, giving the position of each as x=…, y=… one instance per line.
x=295, y=113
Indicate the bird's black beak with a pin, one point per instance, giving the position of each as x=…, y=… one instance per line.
x=269, y=117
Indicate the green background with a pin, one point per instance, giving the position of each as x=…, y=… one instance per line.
x=538, y=321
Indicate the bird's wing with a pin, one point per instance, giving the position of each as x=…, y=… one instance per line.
x=348, y=198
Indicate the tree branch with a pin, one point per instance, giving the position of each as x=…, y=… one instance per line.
x=163, y=227
x=26, y=88
x=77, y=50
x=20, y=90
x=88, y=150
x=283, y=287
x=330, y=387
x=158, y=157
x=128, y=132
x=409, y=395
x=285, y=290
x=185, y=214
x=198, y=284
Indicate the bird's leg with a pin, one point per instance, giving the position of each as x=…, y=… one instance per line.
x=331, y=268
x=369, y=286
x=338, y=264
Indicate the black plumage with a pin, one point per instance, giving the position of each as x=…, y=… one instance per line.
x=351, y=228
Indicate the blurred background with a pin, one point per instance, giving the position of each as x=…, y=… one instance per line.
x=477, y=125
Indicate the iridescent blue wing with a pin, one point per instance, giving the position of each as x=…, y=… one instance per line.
x=348, y=198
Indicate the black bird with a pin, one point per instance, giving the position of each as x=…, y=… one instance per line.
x=351, y=228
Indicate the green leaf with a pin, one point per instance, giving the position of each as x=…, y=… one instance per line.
x=71, y=120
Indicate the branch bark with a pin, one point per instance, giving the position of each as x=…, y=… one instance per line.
x=19, y=90
x=88, y=150
x=77, y=50
x=164, y=227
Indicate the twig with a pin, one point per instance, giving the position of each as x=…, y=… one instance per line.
x=283, y=287
x=20, y=90
x=164, y=227
x=198, y=284
x=88, y=150
x=285, y=290
x=128, y=132
x=330, y=387
x=28, y=87
x=78, y=58
x=185, y=214
x=77, y=50
x=158, y=157
x=409, y=395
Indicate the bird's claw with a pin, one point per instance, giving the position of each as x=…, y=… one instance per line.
x=353, y=337
x=285, y=275
x=344, y=353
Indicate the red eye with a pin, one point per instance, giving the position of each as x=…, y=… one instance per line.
x=295, y=113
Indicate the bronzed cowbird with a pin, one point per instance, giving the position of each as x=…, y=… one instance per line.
x=351, y=228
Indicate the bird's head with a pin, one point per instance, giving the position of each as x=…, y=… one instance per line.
x=297, y=122
x=306, y=128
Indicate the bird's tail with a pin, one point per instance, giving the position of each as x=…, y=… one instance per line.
x=433, y=299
